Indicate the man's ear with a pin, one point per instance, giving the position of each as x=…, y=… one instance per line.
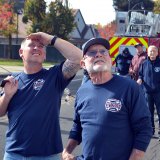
x=20, y=52
x=82, y=64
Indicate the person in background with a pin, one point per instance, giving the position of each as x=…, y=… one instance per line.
x=112, y=120
x=32, y=99
x=149, y=78
x=123, y=61
x=137, y=60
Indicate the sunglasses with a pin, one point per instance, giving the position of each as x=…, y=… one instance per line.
x=93, y=53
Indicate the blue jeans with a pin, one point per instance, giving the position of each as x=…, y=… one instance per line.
x=13, y=156
x=153, y=100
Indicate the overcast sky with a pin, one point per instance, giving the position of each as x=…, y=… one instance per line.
x=94, y=11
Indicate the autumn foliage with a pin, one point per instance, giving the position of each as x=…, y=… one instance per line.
x=108, y=30
x=157, y=7
x=6, y=15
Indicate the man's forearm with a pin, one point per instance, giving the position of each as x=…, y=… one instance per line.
x=71, y=145
x=73, y=56
x=137, y=155
x=68, y=50
x=4, y=101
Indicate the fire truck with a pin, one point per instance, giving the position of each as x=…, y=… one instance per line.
x=135, y=27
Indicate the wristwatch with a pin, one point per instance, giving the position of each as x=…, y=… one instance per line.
x=53, y=40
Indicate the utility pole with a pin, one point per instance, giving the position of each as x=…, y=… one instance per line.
x=17, y=28
x=129, y=4
x=18, y=12
x=10, y=37
x=66, y=3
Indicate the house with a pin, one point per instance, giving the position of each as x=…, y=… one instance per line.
x=82, y=31
x=78, y=36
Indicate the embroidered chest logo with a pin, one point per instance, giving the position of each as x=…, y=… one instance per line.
x=157, y=69
x=113, y=105
x=38, y=84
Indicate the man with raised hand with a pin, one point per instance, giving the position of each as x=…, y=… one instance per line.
x=32, y=99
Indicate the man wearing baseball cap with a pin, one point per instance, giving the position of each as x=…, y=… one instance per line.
x=137, y=45
x=112, y=120
x=85, y=47
x=137, y=60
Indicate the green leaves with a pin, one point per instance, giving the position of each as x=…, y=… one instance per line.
x=157, y=7
x=57, y=19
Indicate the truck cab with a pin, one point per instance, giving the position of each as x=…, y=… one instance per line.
x=138, y=23
x=135, y=27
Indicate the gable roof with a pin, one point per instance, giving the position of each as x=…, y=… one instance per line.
x=82, y=28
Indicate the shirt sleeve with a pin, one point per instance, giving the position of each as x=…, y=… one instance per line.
x=141, y=72
x=76, y=131
x=140, y=118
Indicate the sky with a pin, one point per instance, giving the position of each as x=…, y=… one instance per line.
x=94, y=11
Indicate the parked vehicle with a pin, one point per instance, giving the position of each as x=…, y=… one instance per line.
x=135, y=27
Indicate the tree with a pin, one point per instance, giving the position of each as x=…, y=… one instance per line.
x=35, y=11
x=120, y=5
x=157, y=7
x=59, y=20
x=5, y=16
x=7, y=25
x=125, y=5
x=108, y=30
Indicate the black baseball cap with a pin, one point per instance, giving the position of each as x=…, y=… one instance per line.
x=93, y=41
x=138, y=44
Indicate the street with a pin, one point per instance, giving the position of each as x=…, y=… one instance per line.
x=153, y=152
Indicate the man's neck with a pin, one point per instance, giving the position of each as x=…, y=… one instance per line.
x=100, y=77
x=31, y=69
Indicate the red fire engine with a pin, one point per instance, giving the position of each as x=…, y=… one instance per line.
x=135, y=27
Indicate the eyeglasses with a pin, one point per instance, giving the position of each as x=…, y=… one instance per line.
x=93, y=53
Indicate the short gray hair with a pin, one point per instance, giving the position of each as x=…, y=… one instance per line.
x=153, y=46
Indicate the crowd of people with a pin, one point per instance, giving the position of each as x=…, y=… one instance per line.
x=144, y=68
x=149, y=78
x=111, y=110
